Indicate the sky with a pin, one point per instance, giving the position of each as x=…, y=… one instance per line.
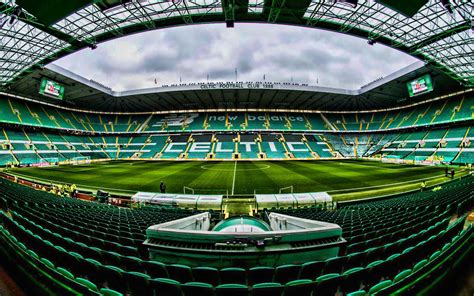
x=191, y=53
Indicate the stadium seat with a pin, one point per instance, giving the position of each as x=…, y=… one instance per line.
x=402, y=275
x=109, y=292
x=114, y=277
x=260, y=274
x=303, y=287
x=231, y=290
x=65, y=272
x=267, y=289
x=138, y=283
x=132, y=263
x=197, y=289
x=155, y=269
x=353, y=278
x=380, y=286
x=357, y=293
x=206, y=274
x=327, y=284
x=47, y=263
x=334, y=265
x=164, y=286
x=286, y=273
x=355, y=260
x=232, y=275
x=91, y=286
x=419, y=265
x=311, y=270
x=181, y=273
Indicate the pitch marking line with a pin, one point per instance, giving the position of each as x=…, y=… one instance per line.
x=233, y=181
x=210, y=167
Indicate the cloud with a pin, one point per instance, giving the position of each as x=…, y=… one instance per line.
x=281, y=53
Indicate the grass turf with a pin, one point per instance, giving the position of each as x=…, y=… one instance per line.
x=241, y=178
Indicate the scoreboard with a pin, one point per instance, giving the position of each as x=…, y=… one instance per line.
x=51, y=89
x=420, y=85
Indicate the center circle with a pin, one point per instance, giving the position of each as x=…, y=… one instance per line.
x=211, y=167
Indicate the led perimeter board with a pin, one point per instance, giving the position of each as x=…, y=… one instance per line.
x=420, y=85
x=51, y=89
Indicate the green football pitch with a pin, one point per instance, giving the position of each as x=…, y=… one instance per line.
x=343, y=178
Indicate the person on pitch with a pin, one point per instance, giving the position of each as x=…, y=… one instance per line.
x=423, y=186
x=162, y=187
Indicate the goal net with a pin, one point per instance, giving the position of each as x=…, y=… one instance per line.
x=51, y=160
x=81, y=160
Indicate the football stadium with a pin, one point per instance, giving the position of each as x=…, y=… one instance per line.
x=239, y=186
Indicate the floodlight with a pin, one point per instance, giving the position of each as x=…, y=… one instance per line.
x=351, y=3
x=446, y=4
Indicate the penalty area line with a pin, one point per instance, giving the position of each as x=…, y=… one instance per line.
x=233, y=181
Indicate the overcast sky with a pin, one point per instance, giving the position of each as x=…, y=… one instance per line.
x=278, y=52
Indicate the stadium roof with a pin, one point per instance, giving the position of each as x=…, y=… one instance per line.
x=387, y=92
x=34, y=33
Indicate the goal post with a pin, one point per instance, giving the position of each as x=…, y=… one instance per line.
x=288, y=188
x=81, y=160
x=188, y=189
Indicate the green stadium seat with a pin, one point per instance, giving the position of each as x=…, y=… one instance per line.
x=376, y=271
x=47, y=263
x=132, y=263
x=206, y=275
x=65, y=272
x=163, y=286
x=434, y=255
x=353, y=278
x=109, y=292
x=260, y=274
x=112, y=258
x=233, y=275
x=155, y=269
x=91, y=268
x=197, y=289
x=267, y=289
x=380, y=286
x=33, y=254
x=334, y=265
x=392, y=263
x=402, y=275
x=355, y=260
x=357, y=293
x=231, y=290
x=327, y=284
x=181, y=273
x=311, y=270
x=91, y=286
x=419, y=265
x=138, y=283
x=286, y=273
x=302, y=287
x=114, y=277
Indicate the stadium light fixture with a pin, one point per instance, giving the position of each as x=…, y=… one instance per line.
x=351, y=3
x=446, y=4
